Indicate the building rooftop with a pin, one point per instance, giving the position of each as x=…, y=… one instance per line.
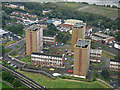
x=82, y=43
x=102, y=35
x=36, y=53
x=34, y=27
x=78, y=25
x=73, y=21
x=96, y=51
x=114, y=60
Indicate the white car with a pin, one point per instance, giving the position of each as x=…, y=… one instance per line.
x=1, y=57
x=9, y=62
x=15, y=66
x=65, y=58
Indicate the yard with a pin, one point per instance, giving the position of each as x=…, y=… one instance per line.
x=62, y=83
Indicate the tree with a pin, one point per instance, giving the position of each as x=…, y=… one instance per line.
x=7, y=76
x=105, y=74
x=17, y=83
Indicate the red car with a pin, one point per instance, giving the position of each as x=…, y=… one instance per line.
x=3, y=59
x=70, y=71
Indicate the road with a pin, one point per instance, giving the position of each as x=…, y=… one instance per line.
x=110, y=50
x=25, y=80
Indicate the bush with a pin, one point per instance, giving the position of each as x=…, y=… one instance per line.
x=17, y=83
x=7, y=76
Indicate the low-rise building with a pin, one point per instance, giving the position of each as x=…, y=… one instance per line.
x=47, y=60
x=95, y=55
x=46, y=11
x=114, y=65
x=15, y=6
x=102, y=38
x=48, y=40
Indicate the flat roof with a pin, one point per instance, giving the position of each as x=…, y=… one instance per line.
x=96, y=51
x=36, y=53
x=34, y=27
x=82, y=43
x=102, y=35
x=73, y=21
x=114, y=60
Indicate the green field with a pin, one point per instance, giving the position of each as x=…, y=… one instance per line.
x=105, y=11
x=62, y=83
x=101, y=10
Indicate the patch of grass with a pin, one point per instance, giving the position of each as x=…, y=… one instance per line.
x=17, y=47
x=10, y=42
x=62, y=83
x=105, y=11
x=107, y=55
x=5, y=86
x=6, y=50
x=26, y=59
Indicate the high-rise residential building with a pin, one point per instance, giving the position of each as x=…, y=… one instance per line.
x=78, y=31
x=34, y=39
x=81, y=58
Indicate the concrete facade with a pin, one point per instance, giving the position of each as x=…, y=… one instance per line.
x=78, y=33
x=34, y=39
x=81, y=58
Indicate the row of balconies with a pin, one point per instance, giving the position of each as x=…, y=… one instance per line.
x=47, y=57
x=46, y=61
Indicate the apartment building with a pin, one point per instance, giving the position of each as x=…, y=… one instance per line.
x=49, y=40
x=114, y=65
x=81, y=58
x=95, y=55
x=47, y=60
x=78, y=31
x=34, y=39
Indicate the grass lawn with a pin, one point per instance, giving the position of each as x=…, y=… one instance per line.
x=70, y=5
x=62, y=83
x=105, y=54
x=3, y=85
x=105, y=11
x=6, y=50
x=26, y=59
x=10, y=42
x=17, y=47
x=100, y=10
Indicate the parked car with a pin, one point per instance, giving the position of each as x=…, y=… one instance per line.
x=15, y=66
x=9, y=62
x=52, y=69
x=70, y=71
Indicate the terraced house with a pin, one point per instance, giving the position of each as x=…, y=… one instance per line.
x=47, y=60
